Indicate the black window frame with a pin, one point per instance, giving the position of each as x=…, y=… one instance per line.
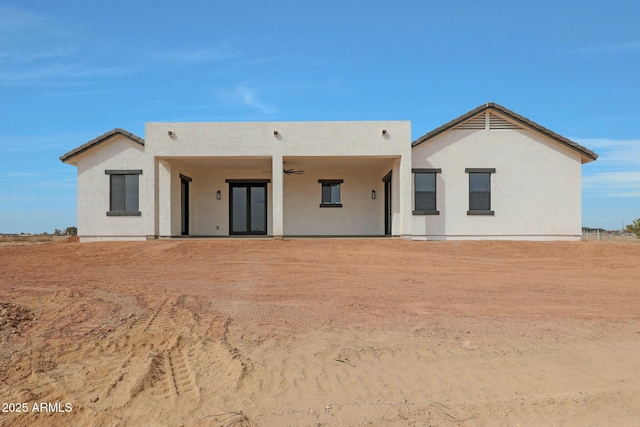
x=329, y=203
x=124, y=210
x=474, y=195
x=434, y=193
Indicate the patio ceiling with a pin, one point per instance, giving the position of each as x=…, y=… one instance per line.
x=335, y=162
x=223, y=162
x=294, y=162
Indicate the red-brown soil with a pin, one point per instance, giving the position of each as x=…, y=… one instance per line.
x=320, y=332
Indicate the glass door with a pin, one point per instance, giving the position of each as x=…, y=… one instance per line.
x=239, y=207
x=184, y=205
x=388, y=210
x=258, y=209
x=248, y=208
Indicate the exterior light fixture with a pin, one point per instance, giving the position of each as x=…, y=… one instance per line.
x=373, y=194
x=171, y=134
x=218, y=195
x=276, y=133
x=384, y=132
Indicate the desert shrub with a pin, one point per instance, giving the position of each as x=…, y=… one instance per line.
x=634, y=227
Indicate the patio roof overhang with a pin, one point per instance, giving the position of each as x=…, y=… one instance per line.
x=295, y=162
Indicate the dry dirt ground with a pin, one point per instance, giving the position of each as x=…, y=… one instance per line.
x=320, y=333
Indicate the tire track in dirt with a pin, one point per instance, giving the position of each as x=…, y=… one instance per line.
x=165, y=370
x=152, y=318
x=170, y=359
x=373, y=343
x=390, y=385
x=183, y=375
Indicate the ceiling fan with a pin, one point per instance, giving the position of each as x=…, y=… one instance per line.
x=292, y=172
x=285, y=171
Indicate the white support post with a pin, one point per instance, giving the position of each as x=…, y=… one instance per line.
x=277, y=196
x=164, y=199
x=404, y=180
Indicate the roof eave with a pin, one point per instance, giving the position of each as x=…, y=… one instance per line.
x=586, y=154
x=69, y=157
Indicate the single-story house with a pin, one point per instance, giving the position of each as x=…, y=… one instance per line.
x=488, y=174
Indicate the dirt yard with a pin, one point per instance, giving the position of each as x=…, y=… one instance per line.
x=320, y=333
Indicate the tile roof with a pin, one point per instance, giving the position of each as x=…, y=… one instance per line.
x=585, y=152
x=96, y=141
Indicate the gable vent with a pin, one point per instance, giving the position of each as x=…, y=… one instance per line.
x=476, y=122
x=497, y=122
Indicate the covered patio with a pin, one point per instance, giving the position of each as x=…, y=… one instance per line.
x=306, y=196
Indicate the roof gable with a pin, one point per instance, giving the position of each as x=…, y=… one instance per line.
x=99, y=140
x=502, y=118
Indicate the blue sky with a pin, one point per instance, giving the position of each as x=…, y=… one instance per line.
x=72, y=70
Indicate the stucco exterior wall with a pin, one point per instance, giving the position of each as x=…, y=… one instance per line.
x=293, y=139
x=535, y=191
x=209, y=216
x=359, y=214
x=94, y=190
x=177, y=147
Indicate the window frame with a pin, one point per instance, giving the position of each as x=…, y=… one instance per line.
x=484, y=171
x=434, y=172
x=330, y=183
x=125, y=173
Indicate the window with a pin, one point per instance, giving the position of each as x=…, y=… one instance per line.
x=124, y=192
x=480, y=191
x=330, y=193
x=424, y=186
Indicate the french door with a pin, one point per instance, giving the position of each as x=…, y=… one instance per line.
x=247, y=208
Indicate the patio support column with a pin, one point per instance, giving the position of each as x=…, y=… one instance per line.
x=405, y=196
x=277, y=193
x=164, y=199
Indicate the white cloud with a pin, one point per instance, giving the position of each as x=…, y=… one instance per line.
x=632, y=46
x=16, y=148
x=250, y=98
x=615, y=178
x=46, y=73
x=245, y=96
x=61, y=184
x=20, y=56
x=6, y=199
x=614, y=153
x=16, y=21
x=79, y=93
x=616, y=173
x=53, y=142
x=27, y=37
x=36, y=49
x=191, y=56
x=19, y=174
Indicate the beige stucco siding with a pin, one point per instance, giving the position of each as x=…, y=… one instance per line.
x=293, y=139
x=359, y=214
x=118, y=153
x=207, y=153
x=208, y=215
x=535, y=191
